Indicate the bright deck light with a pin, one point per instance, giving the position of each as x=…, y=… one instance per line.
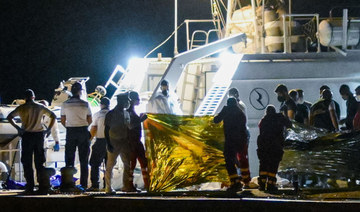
x=229, y=64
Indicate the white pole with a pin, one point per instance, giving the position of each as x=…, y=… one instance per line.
x=255, y=26
x=230, y=8
x=175, y=37
x=263, y=27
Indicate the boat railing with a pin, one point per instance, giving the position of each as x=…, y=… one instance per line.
x=190, y=41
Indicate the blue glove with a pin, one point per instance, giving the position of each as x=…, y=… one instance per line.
x=56, y=147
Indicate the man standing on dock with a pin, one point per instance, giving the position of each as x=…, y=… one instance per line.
x=117, y=123
x=235, y=142
x=270, y=144
x=137, y=148
x=98, y=153
x=32, y=134
x=76, y=117
x=244, y=168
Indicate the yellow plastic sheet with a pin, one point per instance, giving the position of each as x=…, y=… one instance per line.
x=183, y=151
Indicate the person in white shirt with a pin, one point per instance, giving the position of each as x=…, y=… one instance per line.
x=32, y=135
x=76, y=117
x=98, y=152
x=164, y=102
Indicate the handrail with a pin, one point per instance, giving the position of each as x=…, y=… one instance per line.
x=193, y=37
x=188, y=21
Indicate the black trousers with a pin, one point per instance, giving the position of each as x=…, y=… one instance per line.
x=32, y=144
x=269, y=163
x=98, y=154
x=236, y=152
x=78, y=137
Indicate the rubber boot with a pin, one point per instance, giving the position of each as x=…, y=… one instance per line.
x=262, y=182
x=235, y=185
x=271, y=184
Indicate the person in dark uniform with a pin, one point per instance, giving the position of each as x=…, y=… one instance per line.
x=98, y=153
x=356, y=121
x=301, y=100
x=270, y=146
x=32, y=138
x=351, y=106
x=337, y=106
x=322, y=113
x=234, y=121
x=234, y=93
x=137, y=148
x=302, y=112
x=288, y=106
x=117, y=122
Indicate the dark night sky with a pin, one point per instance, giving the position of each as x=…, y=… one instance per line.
x=45, y=41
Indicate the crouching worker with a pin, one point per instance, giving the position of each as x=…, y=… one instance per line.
x=235, y=143
x=116, y=135
x=270, y=146
x=32, y=136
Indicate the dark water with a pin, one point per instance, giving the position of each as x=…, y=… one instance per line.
x=315, y=158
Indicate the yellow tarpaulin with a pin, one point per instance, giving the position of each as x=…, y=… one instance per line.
x=184, y=151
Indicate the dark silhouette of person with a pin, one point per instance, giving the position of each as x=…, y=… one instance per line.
x=356, y=121
x=288, y=106
x=137, y=148
x=270, y=144
x=117, y=122
x=337, y=106
x=322, y=113
x=351, y=106
x=234, y=121
x=32, y=136
x=234, y=93
x=302, y=112
x=98, y=153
